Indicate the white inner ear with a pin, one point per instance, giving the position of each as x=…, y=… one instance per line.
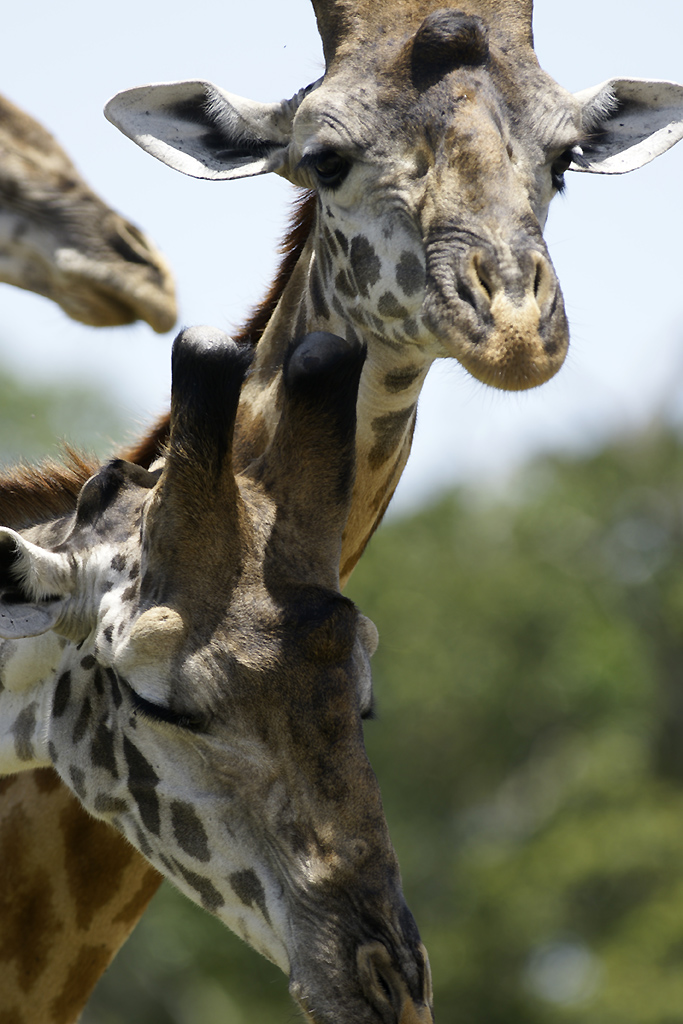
x=38, y=573
x=636, y=121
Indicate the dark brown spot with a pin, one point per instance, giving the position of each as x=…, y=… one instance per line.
x=81, y=979
x=343, y=243
x=390, y=307
x=132, y=910
x=102, y=750
x=82, y=721
x=401, y=380
x=77, y=776
x=88, y=662
x=98, y=681
x=365, y=263
x=344, y=284
x=410, y=273
x=22, y=730
x=105, y=804
x=118, y=563
x=30, y=925
x=97, y=859
x=134, y=571
x=142, y=782
x=210, y=897
x=62, y=694
x=189, y=831
x=46, y=780
x=389, y=431
x=246, y=885
x=128, y=595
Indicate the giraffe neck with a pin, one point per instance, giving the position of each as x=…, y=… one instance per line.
x=390, y=386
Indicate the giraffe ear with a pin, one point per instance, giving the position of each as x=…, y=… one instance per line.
x=199, y=129
x=627, y=123
x=33, y=586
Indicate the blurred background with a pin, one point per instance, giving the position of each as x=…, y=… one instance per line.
x=527, y=585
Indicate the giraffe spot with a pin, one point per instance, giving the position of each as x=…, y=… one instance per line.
x=401, y=380
x=390, y=307
x=46, y=780
x=247, y=887
x=115, y=691
x=209, y=895
x=8, y=782
x=134, y=571
x=22, y=730
x=344, y=284
x=77, y=776
x=329, y=241
x=410, y=327
x=142, y=781
x=343, y=241
x=106, y=804
x=30, y=924
x=97, y=859
x=189, y=831
x=88, y=662
x=410, y=273
x=389, y=431
x=142, y=844
x=102, y=750
x=107, y=633
x=118, y=562
x=128, y=595
x=98, y=681
x=133, y=909
x=320, y=306
x=365, y=263
x=62, y=694
x=81, y=979
x=82, y=721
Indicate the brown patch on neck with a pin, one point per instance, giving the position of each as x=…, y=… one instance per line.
x=30, y=924
x=84, y=973
x=135, y=906
x=96, y=858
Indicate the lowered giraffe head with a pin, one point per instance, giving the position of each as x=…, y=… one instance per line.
x=435, y=144
x=59, y=239
x=179, y=650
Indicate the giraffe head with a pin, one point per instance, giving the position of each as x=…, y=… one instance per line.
x=198, y=680
x=59, y=239
x=435, y=143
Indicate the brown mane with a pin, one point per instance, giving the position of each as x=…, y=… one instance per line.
x=149, y=447
x=34, y=494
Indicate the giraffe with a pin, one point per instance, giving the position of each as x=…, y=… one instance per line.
x=179, y=650
x=59, y=239
x=430, y=150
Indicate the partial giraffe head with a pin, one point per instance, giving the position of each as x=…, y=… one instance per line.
x=198, y=680
x=59, y=239
x=435, y=144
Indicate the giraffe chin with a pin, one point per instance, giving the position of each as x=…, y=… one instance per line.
x=521, y=350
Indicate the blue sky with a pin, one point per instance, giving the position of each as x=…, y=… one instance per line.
x=617, y=243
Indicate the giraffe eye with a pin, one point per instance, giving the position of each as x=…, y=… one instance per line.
x=561, y=165
x=158, y=713
x=330, y=168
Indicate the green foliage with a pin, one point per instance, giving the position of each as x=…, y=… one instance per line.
x=34, y=420
x=529, y=748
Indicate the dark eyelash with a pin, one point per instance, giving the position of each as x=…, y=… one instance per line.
x=158, y=713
